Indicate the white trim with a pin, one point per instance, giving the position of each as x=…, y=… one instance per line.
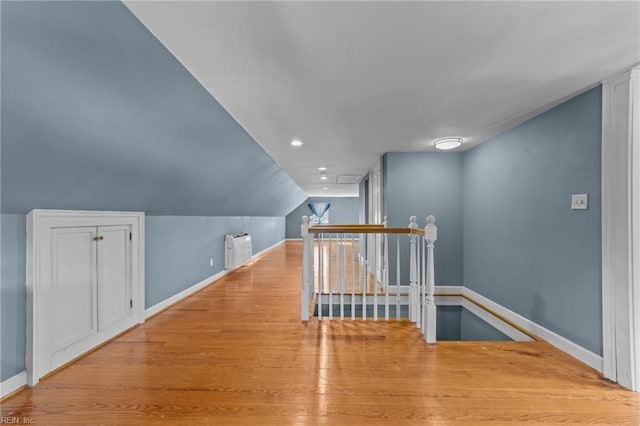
x=294, y=239
x=453, y=300
x=504, y=327
x=591, y=359
x=158, y=307
x=12, y=384
x=449, y=289
x=621, y=228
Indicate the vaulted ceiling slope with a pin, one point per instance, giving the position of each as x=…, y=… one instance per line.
x=353, y=80
x=97, y=114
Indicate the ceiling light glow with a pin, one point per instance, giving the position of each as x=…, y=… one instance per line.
x=296, y=142
x=448, y=143
x=324, y=177
x=322, y=169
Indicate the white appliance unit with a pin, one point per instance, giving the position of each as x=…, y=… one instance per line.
x=237, y=250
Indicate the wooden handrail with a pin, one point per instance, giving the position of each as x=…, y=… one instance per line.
x=356, y=225
x=361, y=229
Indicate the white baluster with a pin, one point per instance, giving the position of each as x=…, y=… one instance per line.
x=307, y=268
x=321, y=272
x=418, y=292
x=423, y=282
x=364, y=292
x=413, y=271
x=343, y=272
x=329, y=272
x=385, y=273
x=398, y=277
x=353, y=279
x=431, y=235
x=375, y=281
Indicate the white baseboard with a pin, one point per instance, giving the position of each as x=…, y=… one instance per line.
x=294, y=239
x=149, y=312
x=512, y=332
x=268, y=249
x=12, y=384
x=591, y=359
x=449, y=289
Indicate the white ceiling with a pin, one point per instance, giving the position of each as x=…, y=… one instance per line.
x=354, y=80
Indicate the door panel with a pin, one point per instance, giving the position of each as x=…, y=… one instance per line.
x=73, y=286
x=75, y=301
x=114, y=275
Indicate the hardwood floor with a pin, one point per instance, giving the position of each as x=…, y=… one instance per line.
x=236, y=353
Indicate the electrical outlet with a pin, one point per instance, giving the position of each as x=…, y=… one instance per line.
x=210, y=262
x=579, y=201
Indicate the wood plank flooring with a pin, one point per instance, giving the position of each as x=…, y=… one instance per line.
x=236, y=353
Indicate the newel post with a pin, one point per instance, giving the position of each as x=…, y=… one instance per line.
x=429, y=306
x=413, y=273
x=307, y=269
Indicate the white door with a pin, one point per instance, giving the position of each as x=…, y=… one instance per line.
x=114, y=275
x=85, y=283
x=90, y=289
x=72, y=294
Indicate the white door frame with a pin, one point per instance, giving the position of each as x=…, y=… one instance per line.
x=621, y=228
x=39, y=222
x=375, y=209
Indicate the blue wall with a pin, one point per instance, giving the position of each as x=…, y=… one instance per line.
x=179, y=249
x=505, y=227
x=423, y=183
x=457, y=323
x=343, y=210
x=98, y=115
x=13, y=296
x=524, y=247
x=448, y=322
x=474, y=328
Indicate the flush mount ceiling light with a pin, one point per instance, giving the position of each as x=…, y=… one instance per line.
x=324, y=177
x=296, y=142
x=325, y=188
x=322, y=169
x=448, y=143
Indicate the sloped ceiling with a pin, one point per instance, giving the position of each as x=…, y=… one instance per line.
x=97, y=114
x=353, y=80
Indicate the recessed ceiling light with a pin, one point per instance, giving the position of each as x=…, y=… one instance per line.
x=324, y=177
x=296, y=142
x=448, y=143
x=322, y=169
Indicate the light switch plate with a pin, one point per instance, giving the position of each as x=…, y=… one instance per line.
x=579, y=201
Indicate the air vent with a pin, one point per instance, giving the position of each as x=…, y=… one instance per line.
x=347, y=179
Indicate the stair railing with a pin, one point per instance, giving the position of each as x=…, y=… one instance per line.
x=339, y=281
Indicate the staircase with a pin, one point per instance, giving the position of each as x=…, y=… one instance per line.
x=346, y=270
